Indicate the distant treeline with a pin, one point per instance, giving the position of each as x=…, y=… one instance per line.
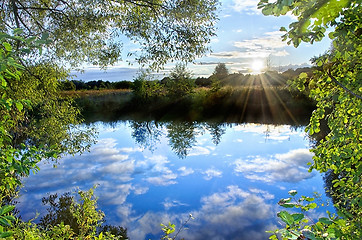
x=94, y=85
x=267, y=79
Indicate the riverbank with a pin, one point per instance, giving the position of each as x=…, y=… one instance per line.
x=227, y=104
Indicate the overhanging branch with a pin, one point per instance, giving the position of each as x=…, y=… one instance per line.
x=342, y=86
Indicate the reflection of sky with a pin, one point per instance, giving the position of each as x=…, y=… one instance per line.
x=231, y=188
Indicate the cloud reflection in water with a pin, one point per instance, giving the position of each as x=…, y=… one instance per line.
x=222, y=183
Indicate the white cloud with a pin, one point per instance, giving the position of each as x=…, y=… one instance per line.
x=125, y=167
x=269, y=44
x=247, y=6
x=232, y=214
x=271, y=132
x=211, y=173
x=163, y=180
x=198, y=150
x=168, y=203
x=185, y=171
x=138, y=190
x=287, y=167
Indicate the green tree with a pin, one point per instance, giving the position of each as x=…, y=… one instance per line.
x=336, y=86
x=221, y=71
x=145, y=88
x=180, y=82
x=90, y=31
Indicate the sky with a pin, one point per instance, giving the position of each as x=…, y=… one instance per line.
x=245, y=41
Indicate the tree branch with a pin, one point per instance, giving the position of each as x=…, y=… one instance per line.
x=342, y=86
x=16, y=13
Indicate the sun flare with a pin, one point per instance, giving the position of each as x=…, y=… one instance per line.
x=257, y=66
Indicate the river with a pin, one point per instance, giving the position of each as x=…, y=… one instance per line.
x=229, y=176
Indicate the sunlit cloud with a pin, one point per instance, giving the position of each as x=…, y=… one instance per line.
x=227, y=55
x=269, y=44
x=211, y=173
x=288, y=167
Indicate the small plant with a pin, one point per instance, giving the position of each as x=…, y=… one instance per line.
x=301, y=226
x=170, y=228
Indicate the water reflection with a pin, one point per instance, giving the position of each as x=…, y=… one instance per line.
x=229, y=176
x=181, y=135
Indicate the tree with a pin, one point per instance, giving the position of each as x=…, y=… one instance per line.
x=89, y=31
x=221, y=71
x=336, y=87
x=180, y=82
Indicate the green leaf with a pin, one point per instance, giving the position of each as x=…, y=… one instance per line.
x=288, y=205
x=18, y=31
x=312, y=205
x=286, y=217
x=4, y=222
x=325, y=221
x=298, y=216
x=5, y=234
x=19, y=106
x=7, y=46
x=308, y=234
x=303, y=75
x=6, y=209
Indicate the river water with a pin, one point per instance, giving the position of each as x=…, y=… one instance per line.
x=229, y=176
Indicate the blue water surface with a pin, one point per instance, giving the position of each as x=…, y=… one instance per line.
x=229, y=177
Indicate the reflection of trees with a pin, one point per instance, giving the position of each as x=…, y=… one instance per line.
x=62, y=210
x=181, y=137
x=146, y=133
x=216, y=131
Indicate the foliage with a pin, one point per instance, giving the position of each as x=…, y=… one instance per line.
x=300, y=225
x=69, y=219
x=336, y=87
x=180, y=82
x=221, y=71
x=6, y=220
x=145, y=89
x=89, y=31
x=15, y=161
x=314, y=17
x=35, y=122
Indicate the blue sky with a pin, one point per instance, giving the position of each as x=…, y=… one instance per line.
x=244, y=36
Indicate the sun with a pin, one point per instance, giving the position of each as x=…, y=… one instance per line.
x=257, y=66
